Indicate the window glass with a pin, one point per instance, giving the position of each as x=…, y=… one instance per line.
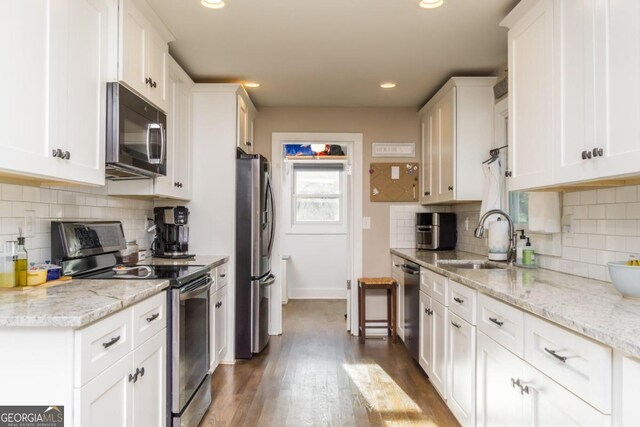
x=317, y=195
x=314, y=181
x=317, y=210
x=519, y=207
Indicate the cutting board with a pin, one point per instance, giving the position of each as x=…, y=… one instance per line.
x=21, y=289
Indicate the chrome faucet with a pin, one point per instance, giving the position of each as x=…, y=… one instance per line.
x=479, y=232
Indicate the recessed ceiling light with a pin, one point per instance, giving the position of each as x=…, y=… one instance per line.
x=212, y=4
x=431, y=4
x=388, y=85
x=252, y=84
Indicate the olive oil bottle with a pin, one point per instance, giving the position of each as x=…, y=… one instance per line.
x=20, y=259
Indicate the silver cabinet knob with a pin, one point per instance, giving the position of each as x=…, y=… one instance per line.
x=56, y=152
x=597, y=152
x=586, y=155
x=66, y=155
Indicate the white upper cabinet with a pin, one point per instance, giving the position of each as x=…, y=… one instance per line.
x=456, y=138
x=246, y=114
x=530, y=46
x=53, y=103
x=574, y=91
x=143, y=58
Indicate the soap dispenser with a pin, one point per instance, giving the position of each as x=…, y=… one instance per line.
x=528, y=255
x=522, y=240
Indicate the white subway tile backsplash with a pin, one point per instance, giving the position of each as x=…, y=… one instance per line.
x=597, y=211
x=626, y=194
x=616, y=211
x=607, y=195
x=571, y=199
x=588, y=197
x=581, y=212
x=11, y=192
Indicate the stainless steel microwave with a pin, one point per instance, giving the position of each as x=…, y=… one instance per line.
x=136, y=136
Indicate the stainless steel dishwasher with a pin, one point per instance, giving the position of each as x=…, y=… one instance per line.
x=412, y=308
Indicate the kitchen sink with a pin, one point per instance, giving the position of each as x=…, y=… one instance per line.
x=473, y=265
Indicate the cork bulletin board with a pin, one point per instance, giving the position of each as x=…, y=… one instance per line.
x=394, y=182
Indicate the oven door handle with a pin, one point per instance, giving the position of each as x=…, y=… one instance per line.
x=195, y=292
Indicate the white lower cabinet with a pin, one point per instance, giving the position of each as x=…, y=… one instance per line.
x=108, y=399
x=150, y=389
x=398, y=275
x=218, y=336
x=461, y=358
x=426, y=352
x=439, y=330
x=626, y=392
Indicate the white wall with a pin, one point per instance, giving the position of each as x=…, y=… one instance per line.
x=64, y=204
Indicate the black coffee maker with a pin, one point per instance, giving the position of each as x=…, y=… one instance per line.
x=172, y=232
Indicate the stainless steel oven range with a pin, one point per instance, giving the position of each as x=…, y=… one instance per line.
x=88, y=250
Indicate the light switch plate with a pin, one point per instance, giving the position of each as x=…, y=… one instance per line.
x=366, y=223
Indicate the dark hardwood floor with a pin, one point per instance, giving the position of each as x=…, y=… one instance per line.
x=316, y=374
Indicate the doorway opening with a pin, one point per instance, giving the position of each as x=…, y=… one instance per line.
x=319, y=226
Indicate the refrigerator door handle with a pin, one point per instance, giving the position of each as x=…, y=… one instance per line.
x=268, y=281
x=272, y=224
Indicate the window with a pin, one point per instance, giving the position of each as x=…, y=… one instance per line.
x=317, y=194
x=519, y=207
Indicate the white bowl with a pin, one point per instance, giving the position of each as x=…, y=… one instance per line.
x=625, y=278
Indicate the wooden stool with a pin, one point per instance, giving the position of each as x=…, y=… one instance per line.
x=391, y=286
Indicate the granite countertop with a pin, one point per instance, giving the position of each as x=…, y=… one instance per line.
x=590, y=307
x=76, y=304
x=210, y=261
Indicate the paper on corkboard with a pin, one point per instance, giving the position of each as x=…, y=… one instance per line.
x=383, y=187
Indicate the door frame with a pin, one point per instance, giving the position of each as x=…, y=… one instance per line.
x=278, y=139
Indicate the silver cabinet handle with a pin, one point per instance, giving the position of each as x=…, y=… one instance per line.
x=496, y=321
x=598, y=152
x=56, y=152
x=153, y=317
x=455, y=324
x=458, y=300
x=111, y=342
x=515, y=383
x=66, y=155
x=524, y=389
x=556, y=355
x=586, y=155
x=133, y=378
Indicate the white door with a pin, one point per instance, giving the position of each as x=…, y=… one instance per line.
x=499, y=397
x=107, y=400
x=133, y=49
x=576, y=73
x=447, y=146
x=622, y=150
x=461, y=390
x=242, y=125
x=24, y=108
x=426, y=328
x=79, y=66
x=439, y=337
x=546, y=403
x=531, y=112
x=221, y=324
x=149, y=390
x=626, y=394
x=429, y=164
x=157, y=63
x=213, y=331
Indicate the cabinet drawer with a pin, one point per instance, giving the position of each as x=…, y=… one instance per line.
x=503, y=323
x=462, y=301
x=222, y=276
x=577, y=363
x=436, y=286
x=101, y=344
x=149, y=317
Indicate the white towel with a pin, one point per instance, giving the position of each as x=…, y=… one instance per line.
x=544, y=212
x=493, y=185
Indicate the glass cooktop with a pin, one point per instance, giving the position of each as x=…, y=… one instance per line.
x=178, y=274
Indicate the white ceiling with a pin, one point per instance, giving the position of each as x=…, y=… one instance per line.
x=337, y=52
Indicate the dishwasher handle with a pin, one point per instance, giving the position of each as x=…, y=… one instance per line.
x=409, y=270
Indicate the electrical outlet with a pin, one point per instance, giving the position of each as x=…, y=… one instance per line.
x=29, y=223
x=366, y=223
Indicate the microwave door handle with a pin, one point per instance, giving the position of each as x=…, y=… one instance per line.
x=163, y=142
x=155, y=127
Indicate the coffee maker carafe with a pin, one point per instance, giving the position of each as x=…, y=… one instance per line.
x=172, y=232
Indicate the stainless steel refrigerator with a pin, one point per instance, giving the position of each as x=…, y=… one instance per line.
x=255, y=228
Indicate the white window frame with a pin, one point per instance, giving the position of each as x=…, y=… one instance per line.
x=307, y=227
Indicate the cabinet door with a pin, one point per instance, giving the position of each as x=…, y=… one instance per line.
x=547, y=403
x=425, y=333
x=133, y=48
x=530, y=98
x=576, y=73
x=213, y=331
x=242, y=125
x=626, y=394
x=149, y=390
x=447, y=146
x=429, y=153
x=461, y=390
x=499, y=400
x=167, y=185
x=439, y=338
x=156, y=68
x=221, y=324
x=107, y=400
x=622, y=150
x=24, y=109
x=80, y=68
x=182, y=151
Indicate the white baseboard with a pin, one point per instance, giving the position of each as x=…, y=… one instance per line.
x=317, y=293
